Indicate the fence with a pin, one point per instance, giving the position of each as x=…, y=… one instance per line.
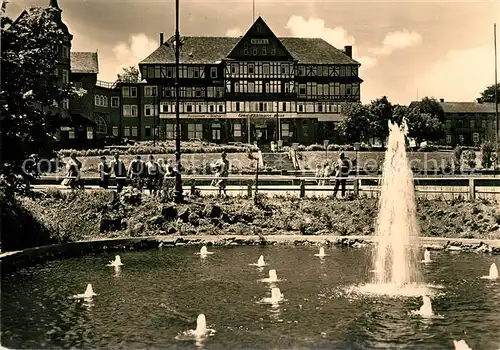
x=428, y=187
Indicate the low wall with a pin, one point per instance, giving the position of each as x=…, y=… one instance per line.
x=10, y=261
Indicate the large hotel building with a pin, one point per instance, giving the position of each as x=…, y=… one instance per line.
x=256, y=87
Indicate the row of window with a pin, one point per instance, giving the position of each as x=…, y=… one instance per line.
x=194, y=131
x=190, y=72
x=313, y=90
x=64, y=75
x=102, y=101
x=259, y=50
x=472, y=124
x=476, y=138
x=250, y=69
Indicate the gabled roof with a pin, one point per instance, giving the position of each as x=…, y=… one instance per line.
x=84, y=62
x=464, y=107
x=206, y=50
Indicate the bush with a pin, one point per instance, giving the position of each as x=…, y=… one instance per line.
x=457, y=156
x=470, y=158
x=487, y=149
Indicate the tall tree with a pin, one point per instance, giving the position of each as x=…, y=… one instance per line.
x=131, y=74
x=354, y=127
x=426, y=120
x=488, y=95
x=28, y=119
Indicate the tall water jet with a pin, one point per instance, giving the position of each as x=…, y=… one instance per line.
x=427, y=256
x=397, y=229
x=116, y=262
x=261, y=262
x=461, y=345
x=276, y=295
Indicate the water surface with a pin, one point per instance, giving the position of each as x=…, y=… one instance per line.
x=159, y=294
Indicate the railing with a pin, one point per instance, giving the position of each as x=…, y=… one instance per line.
x=105, y=84
x=429, y=187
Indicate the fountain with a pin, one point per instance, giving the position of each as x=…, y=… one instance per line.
x=461, y=345
x=89, y=293
x=200, y=334
x=204, y=252
x=201, y=325
x=397, y=228
x=321, y=253
x=493, y=275
x=116, y=262
x=273, y=277
x=426, y=308
x=427, y=256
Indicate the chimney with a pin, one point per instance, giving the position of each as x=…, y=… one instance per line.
x=441, y=100
x=348, y=50
x=161, y=39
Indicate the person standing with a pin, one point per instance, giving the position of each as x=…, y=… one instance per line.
x=135, y=172
x=152, y=174
x=120, y=172
x=222, y=174
x=342, y=171
x=104, y=173
x=73, y=172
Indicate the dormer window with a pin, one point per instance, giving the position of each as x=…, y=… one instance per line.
x=264, y=51
x=255, y=51
x=245, y=50
x=273, y=51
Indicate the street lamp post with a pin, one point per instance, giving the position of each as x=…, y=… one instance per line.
x=178, y=195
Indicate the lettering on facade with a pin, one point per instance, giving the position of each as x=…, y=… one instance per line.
x=193, y=116
x=259, y=41
x=261, y=115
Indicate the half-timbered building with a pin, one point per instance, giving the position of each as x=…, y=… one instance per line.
x=257, y=87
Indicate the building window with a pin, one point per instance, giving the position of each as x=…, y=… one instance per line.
x=101, y=126
x=301, y=108
x=71, y=133
x=237, y=130
x=213, y=72
x=237, y=107
x=216, y=134
x=150, y=91
x=133, y=110
x=170, y=131
x=65, y=51
x=448, y=124
x=273, y=51
x=245, y=50
x=90, y=132
x=96, y=100
x=134, y=131
x=115, y=102
x=448, y=139
x=484, y=125
x=149, y=110
x=461, y=138
x=475, y=137
x=472, y=124
x=147, y=131
x=115, y=131
x=264, y=51
x=189, y=108
x=221, y=108
x=302, y=71
x=211, y=108
x=65, y=76
x=126, y=131
x=285, y=130
x=254, y=51
x=65, y=103
x=126, y=111
x=251, y=68
x=195, y=131
x=133, y=91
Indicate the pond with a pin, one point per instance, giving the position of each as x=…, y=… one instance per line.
x=157, y=295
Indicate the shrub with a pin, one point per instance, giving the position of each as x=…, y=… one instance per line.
x=457, y=156
x=487, y=149
x=470, y=158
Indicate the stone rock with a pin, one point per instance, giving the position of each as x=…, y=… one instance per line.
x=194, y=219
x=212, y=211
x=110, y=223
x=184, y=215
x=169, y=212
x=157, y=221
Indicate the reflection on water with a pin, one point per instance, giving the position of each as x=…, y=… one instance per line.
x=160, y=294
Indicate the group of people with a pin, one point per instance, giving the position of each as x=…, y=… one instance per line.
x=338, y=170
x=140, y=174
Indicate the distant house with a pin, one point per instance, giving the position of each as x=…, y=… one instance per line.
x=468, y=123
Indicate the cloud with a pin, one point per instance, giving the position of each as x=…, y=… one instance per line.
x=395, y=41
x=130, y=53
x=339, y=37
x=459, y=76
x=234, y=32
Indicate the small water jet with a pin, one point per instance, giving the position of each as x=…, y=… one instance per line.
x=116, y=262
x=276, y=297
x=427, y=256
x=273, y=276
x=493, y=273
x=321, y=253
x=204, y=252
x=200, y=333
x=89, y=293
x=461, y=345
x=426, y=308
x=260, y=263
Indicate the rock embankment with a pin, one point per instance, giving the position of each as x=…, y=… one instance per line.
x=79, y=215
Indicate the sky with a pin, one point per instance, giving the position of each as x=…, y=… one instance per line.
x=408, y=49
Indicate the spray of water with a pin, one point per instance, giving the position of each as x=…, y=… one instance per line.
x=395, y=255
